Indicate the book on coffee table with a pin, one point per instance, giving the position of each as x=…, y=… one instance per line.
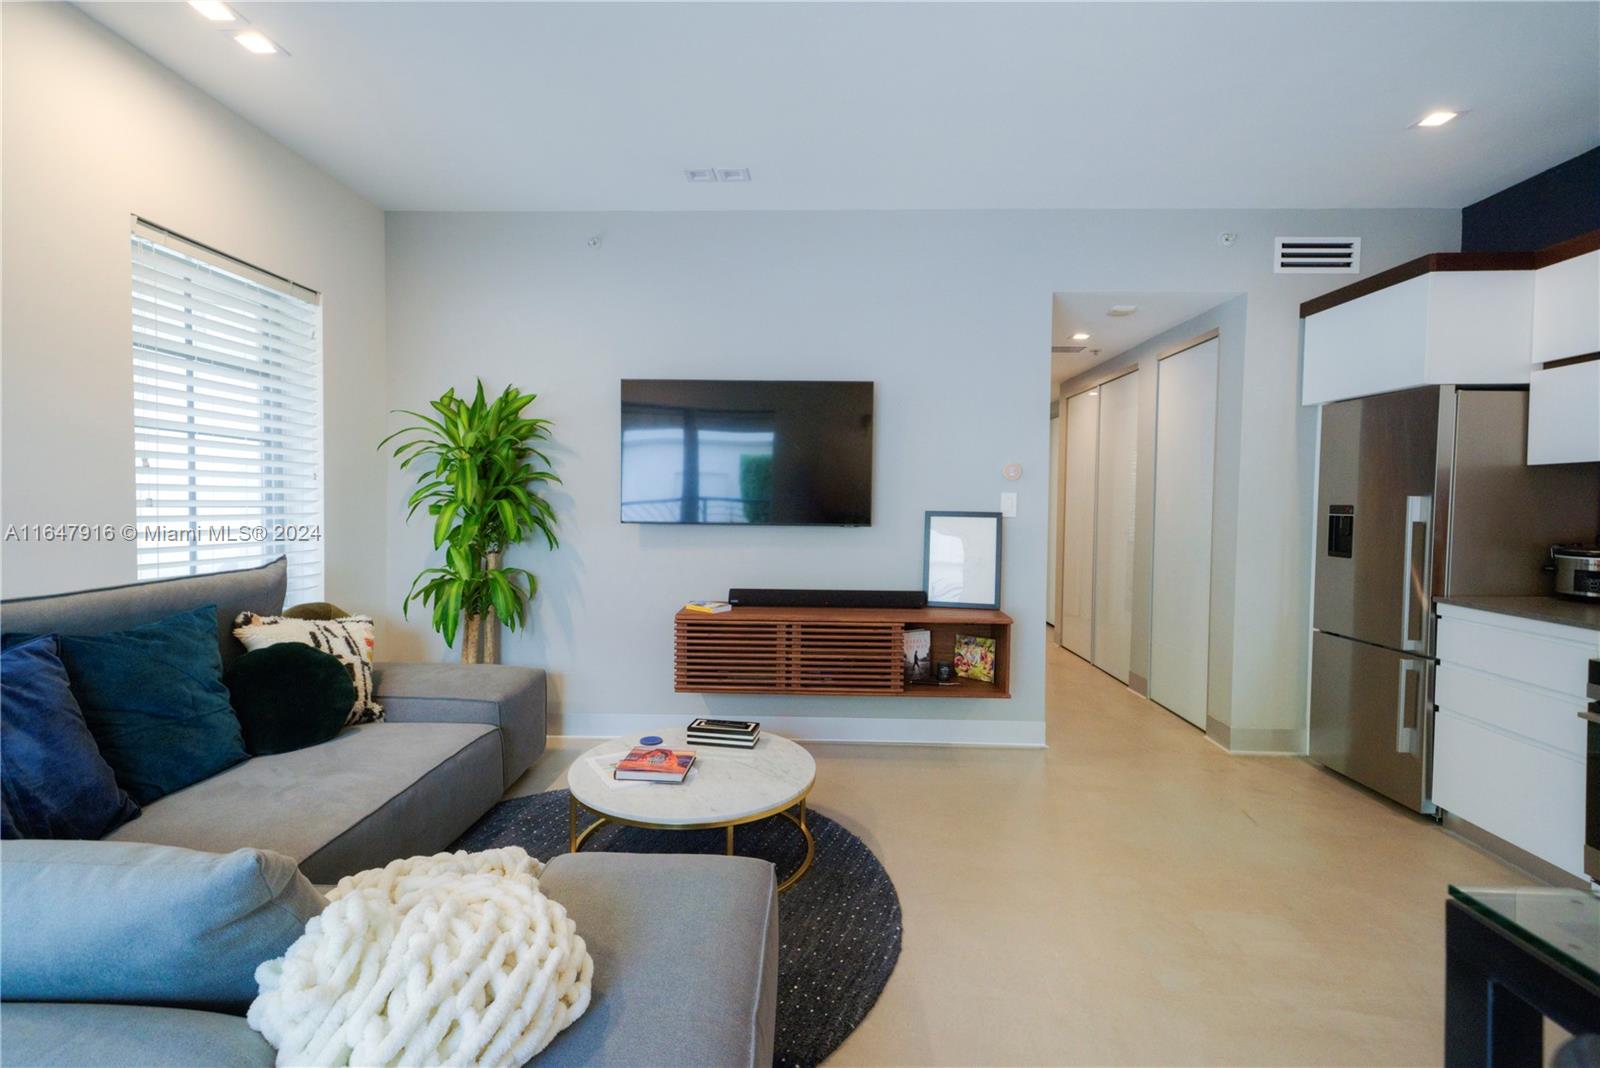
x=655, y=764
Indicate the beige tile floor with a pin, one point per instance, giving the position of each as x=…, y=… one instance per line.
x=1135, y=896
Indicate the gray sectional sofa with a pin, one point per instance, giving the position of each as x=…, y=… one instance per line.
x=454, y=739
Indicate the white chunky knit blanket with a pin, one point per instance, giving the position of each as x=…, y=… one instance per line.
x=444, y=960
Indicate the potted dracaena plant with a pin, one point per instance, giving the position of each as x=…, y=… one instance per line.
x=479, y=475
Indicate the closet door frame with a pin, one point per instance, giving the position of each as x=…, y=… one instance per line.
x=1066, y=405
x=1057, y=503
x=1178, y=350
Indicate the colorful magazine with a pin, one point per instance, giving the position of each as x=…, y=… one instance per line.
x=974, y=657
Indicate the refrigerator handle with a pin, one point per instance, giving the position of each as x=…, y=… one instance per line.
x=1405, y=738
x=1418, y=511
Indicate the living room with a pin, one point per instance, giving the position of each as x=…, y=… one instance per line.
x=572, y=201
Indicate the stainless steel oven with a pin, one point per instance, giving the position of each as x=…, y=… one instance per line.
x=1591, y=793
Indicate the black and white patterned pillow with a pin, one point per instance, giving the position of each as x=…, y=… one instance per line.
x=350, y=640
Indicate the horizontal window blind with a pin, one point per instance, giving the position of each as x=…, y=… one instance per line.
x=227, y=415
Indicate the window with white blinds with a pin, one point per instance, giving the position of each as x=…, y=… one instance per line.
x=227, y=415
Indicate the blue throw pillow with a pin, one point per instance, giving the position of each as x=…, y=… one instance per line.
x=154, y=700
x=53, y=781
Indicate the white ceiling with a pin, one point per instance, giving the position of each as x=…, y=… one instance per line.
x=1109, y=335
x=554, y=106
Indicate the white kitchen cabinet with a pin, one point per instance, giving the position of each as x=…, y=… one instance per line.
x=1566, y=308
x=1564, y=414
x=1527, y=794
x=1509, y=751
x=1462, y=327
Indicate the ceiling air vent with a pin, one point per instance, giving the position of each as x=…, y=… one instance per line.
x=1064, y=349
x=1317, y=255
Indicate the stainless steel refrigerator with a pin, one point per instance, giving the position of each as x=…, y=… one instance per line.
x=1420, y=494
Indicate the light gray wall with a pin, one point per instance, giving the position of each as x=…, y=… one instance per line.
x=95, y=131
x=1229, y=321
x=950, y=314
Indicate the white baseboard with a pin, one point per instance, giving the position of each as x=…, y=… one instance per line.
x=999, y=733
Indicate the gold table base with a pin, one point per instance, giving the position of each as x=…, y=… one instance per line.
x=794, y=813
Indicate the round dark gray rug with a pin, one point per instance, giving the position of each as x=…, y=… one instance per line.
x=839, y=927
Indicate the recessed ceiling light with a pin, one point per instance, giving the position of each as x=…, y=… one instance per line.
x=1437, y=118
x=1080, y=336
x=700, y=174
x=733, y=174
x=215, y=10
x=255, y=41
x=1120, y=311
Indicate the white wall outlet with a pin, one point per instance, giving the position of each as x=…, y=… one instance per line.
x=1008, y=505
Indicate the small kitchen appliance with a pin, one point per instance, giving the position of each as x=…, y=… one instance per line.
x=1577, y=571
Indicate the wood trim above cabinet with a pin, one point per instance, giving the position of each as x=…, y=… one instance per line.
x=1434, y=261
x=1571, y=248
x=1568, y=361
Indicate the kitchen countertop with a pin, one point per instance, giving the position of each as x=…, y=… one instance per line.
x=1544, y=609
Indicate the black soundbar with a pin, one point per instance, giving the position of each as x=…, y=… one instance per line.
x=760, y=598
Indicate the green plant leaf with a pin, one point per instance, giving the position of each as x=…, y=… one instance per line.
x=448, y=508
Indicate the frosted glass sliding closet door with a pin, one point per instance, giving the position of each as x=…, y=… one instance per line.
x=1180, y=608
x=1115, y=503
x=1076, y=620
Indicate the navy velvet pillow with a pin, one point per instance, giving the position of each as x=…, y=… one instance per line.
x=154, y=700
x=53, y=780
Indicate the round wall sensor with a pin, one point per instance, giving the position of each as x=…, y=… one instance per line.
x=1012, y=472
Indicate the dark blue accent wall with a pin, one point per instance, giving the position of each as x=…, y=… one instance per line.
x=1562, y=202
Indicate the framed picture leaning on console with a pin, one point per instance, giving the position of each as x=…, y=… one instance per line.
x=961, y=559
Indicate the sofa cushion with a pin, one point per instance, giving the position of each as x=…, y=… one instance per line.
x=156, y=925
x=289, y=696
x=376, y=792
x=114, y=1036
x=53, y=781
x=511, y=698
x=682, y=945
x=154, y=700
x=255, y=589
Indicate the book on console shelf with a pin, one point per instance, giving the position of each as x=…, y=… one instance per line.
x=710, y=608
x=655, y=764
x=732, y=733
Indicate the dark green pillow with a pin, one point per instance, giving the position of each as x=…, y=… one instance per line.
x=154, y=701
x=288, y=696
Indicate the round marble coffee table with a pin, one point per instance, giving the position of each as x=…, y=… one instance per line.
x=725, y=788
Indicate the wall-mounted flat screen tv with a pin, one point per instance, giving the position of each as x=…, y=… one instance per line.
x=771, y=453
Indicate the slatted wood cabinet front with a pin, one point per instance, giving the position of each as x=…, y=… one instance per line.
x=854, y=651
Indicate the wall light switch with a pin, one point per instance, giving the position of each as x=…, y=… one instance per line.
x=1008, y=505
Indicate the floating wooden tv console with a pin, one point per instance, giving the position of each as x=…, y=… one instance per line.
x=855, y=651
